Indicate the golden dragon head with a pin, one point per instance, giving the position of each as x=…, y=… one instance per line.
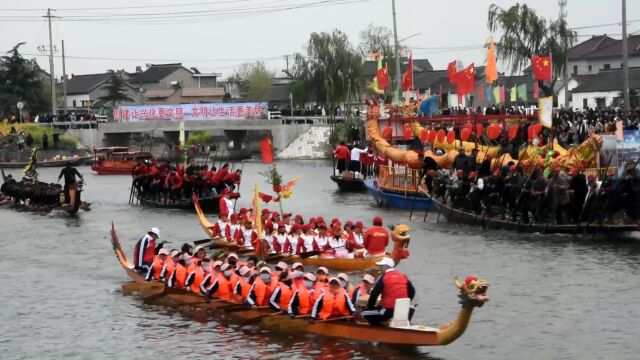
x=473, y=291
x=401, y=239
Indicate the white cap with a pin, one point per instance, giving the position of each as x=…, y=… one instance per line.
x=386, y=261
x=369, y=278
x=343, y=276
x=197, y=248
x=155, y=230
x=163, y=252
x=265, y=269
x=225, y=266
x=295, y=265
x=334, y=279
x=309, y=276
x=323, y=269
x=244, y=270
x=217, y=263
x=174, y=252
x=232, y=255
x=282, y=265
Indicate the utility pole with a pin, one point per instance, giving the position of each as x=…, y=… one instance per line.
x=565, y=74
x=64, y=80
x=397, y=51
x=625, y=59
x=53, y=78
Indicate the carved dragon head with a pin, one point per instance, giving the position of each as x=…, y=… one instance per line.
x=473, y=291
x=401, y=239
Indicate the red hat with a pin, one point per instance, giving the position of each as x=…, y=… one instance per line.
x=265, y=211
x=298, y=217
x=247, y=220
x=275, y=214
x=472, y=174
x=336, y=227
x=286, y=215
x=268, y=225
x=243, y=211
x=359, y=224
x=459, y=172
x=280, y=224
x=295, y=227
x=377, y=221
x=322, y=226
x=348, y=223
x=320, y=219
x=335, y=220
x=312, y=220
x=234, y=216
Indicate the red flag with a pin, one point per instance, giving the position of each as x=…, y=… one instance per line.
x=536, y=90
x=383, y=78
x=407, y=78
x=465, y=80
x=265, y=197
x=541, y=66
x=451, y=72
x=481, y=92
x=266, y=150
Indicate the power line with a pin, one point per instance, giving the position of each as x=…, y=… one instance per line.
x=157, y=59
x=604, y=25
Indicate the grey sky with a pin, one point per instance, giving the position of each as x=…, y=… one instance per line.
x=215, y=43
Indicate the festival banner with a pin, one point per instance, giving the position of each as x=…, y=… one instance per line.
x=608, y=155
x=190, y=112
x=545, y=111
x=629, y=149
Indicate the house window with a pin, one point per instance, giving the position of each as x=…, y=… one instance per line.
x=74, y=103
x=607, y=66
x=589, y=68
x=575, y=69
x=585, y=103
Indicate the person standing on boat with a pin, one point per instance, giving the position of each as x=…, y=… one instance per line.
x=460, y=162
x=225, y=205
x=355, y=165
x=145, y=250
x=476, y=192
x=69, y=173
x=332, y=303
x=391, y=285
x=342, y=155
x=376, y=239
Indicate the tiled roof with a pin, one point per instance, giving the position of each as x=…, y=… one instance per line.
x=608, y=80
x=82, y=84
x=154, y=73
x=601, y=47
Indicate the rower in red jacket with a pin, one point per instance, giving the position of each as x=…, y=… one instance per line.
x=307, y=241
x=376, y=238
x=145, y=250
x=392, y=285
x=232, y=227
x=220, y=227
x=304, y=296
x=280, y=240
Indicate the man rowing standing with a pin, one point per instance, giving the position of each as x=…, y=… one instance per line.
x=69, y=173
x=392, y=285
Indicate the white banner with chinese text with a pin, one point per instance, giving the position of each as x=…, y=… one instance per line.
x=190, y=112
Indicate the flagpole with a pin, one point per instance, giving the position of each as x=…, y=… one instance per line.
x=397, y=50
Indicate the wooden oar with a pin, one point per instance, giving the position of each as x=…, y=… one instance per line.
x=335, y=319
x=308, y=254
x=203, y=241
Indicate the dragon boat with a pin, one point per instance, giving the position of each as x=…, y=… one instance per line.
x=211, y=203
x=473, y=294
x=399, y=236
x=348, y=183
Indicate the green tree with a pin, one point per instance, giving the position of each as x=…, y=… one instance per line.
x=255, y=79
x=331, y=71
x=116, y=89
x=524, y=34
x=19, y=82
x=378, y=39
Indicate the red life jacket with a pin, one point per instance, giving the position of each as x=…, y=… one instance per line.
x=224, y=287
x=157, y=266
x=144, y=256
x=241, y=289
x=180, y=276
x=262, y=292
x=199, y=275
x=334, y=305
x=285, y=296
x=395, y=287
x=305, y=300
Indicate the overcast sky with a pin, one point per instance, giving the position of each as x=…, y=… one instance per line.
x=218, y=35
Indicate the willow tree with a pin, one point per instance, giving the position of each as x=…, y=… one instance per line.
x=525, y=34
x=331, y=71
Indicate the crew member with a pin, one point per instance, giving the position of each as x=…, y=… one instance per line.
x=344, y=282
x=281, y=296
x=322, y=275
x=69, y=173
x=242, y=286
x=178, y=278
x=303, y=296
x=260, y=291
x=376, y=238
x=332, y=303
x=362, y=291
x=195, y=278
x=222, y=286
x=392, y=285
x=342, y=155
x=226, y=205
x=145, y=250
x=157, y=271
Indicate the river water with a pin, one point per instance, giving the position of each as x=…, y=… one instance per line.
x=552, y=297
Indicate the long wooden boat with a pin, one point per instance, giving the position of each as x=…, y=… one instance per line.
x=348, y=183
x=397, y=200
x=399, y=252
x=210, y=204
x=472, y=294
x=454, y=215
x=72, y=208
x=116, y=160
x=49, y=163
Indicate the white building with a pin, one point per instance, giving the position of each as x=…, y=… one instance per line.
x=602, y=53
x=605, y=89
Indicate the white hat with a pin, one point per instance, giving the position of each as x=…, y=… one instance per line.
x=174, y=252
x=343, y=276
x=334, y=279
x=265, y=269
x=295, y=265
x=155, y=230
x=386, y=261
x=163, y=252
x=244, y=270
x=224, y=267
x=369, y=278
x=309, y=276
x=232, y=255
x=197, y=248
x=282, y=265
x=323, y=269
x=217, y=263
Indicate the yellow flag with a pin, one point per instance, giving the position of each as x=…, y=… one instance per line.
x=5, y=127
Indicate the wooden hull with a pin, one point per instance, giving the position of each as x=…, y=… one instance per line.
x=69, y=209
x=52, y=163
x=399, y=201
x=348, y=183
x=211, y=204
x=110, y=167
x=414, y=336
x=459, y=216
